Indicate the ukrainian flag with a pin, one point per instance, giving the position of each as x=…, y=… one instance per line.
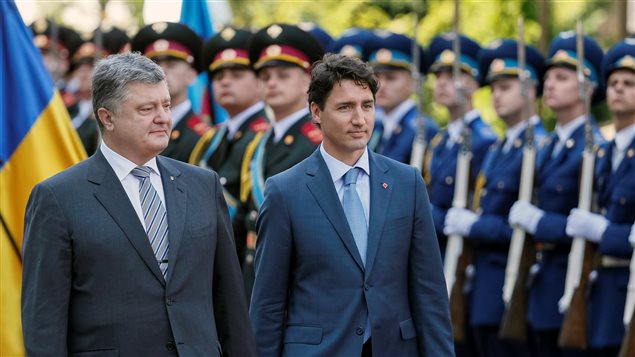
x=36, y=141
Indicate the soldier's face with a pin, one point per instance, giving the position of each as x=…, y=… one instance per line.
x=561, y=89
x=507, y=98
x=140, y=130
x=444, y=93
x=236, y=89
x=284, y=87
x=179, y=75
x=347, y=120
x=395, y=87
x=84, y=77
x=620, y=93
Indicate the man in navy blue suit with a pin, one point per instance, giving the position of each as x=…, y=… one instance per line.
x=615, y=185
x=347, y=260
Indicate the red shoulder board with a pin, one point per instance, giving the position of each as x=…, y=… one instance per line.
x=312, y=132
x=198, y=126
x=68, y=99
x=259, y=125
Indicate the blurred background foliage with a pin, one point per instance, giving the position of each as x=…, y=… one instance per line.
x=483, y=20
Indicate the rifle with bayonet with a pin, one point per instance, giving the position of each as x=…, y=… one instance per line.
x=628, y=344
x=420, y=142
x=457, y=257
x=522, y=254
x=573, y=332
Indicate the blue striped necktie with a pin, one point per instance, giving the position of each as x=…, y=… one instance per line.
x=155, y=217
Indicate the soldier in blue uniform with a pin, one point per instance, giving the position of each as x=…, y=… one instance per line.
x=610, y=227
x=77, y=94
x=497, y=189
x=557, y=178
x=223, y=148
x=441, y=158
x=282, y=56
x=390, y=55
x=176, y=48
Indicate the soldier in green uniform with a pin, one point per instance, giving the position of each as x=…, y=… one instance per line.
x=176, y=48
x=282, y=56
x=222, y=148
x=77, y=93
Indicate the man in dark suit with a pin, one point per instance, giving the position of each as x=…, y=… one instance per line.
x=129, y=253
x=347, y=261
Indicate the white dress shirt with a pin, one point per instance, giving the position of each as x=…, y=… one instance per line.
x=178, y=112
x=456, y=126
x=623, y=138
x=565, y=131
x=130, y=183
x=391, y=120
x=281, y=127
x=338, y=169
x=234, y=123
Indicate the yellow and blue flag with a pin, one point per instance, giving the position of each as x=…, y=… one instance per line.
x=36, y=141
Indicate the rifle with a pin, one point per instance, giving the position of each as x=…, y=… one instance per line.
x=522, y=252
x=628, y=344
x=457, y=259
x=573, y=333
x=419, y=143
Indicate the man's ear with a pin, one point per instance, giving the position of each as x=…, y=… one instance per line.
x=316, y=112
x=105, y=117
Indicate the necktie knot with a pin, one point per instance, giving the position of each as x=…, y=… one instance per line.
x=141, y=172
x=350, y=177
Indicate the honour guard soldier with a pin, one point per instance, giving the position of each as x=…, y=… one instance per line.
x=223, y=148
x=56, y=43
x=610, y=227
x=176, y=48
x=77, y=93
x=557, y=179
x=390, y=55
x=317, y=32
x=282, y=56
x=497, y=189
x=441, y=158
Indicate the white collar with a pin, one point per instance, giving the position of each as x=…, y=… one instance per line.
x=280, y=127
x=399, y=111
x=178, y=111
x=121, y=165
x=565, y=131
x=234, y=123
x=513, y=132
x=338, y=169
x=624, y=137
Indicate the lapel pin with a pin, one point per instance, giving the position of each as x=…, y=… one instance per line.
x=384, y=185
x=172, y=178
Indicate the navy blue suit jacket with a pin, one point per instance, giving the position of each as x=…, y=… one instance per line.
x=312, y=292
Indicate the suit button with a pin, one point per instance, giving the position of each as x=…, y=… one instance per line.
x=170, y=346
x=169, y=301
x=359, y=331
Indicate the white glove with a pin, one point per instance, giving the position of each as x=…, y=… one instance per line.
x=585, y=224
x=459, y=221
x=525, y=215
x=631, y=238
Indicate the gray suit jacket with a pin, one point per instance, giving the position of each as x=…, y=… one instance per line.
x=312, y=292
x=91, y=284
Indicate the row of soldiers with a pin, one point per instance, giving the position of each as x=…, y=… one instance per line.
x=261, y=80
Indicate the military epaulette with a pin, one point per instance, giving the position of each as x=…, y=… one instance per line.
x=198, y=125
x=259, y=125
x=312, y=132
x=69, y=99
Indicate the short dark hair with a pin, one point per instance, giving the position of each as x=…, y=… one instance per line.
x=334, y=68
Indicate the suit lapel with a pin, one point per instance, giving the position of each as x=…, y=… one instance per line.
x=321, y=186
x=110, y=193
x=381, y=188
x=176, y=206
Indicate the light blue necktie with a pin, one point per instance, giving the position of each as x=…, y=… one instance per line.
x=354, y=211
x=155, y=217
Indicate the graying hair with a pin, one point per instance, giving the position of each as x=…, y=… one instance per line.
x=113, y=74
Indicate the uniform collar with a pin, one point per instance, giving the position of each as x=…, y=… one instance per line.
x=178, y=112
x=564, y=131
x=624, y=137
x=234, y=123
x=280, y=127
